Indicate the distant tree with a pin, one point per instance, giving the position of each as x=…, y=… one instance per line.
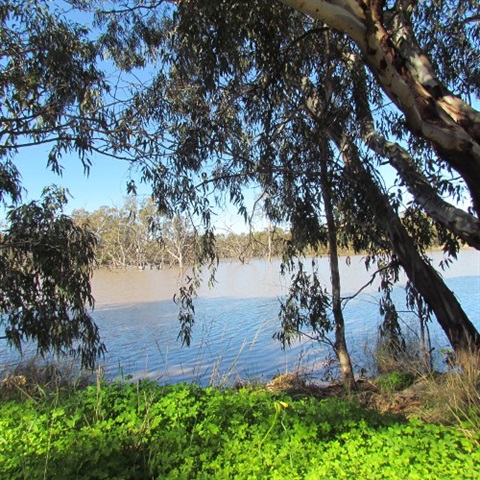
x=135, y=234
x=179, y=240
x=236, y=246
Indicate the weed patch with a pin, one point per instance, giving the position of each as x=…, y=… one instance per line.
x=141, y=430
x=395, y=381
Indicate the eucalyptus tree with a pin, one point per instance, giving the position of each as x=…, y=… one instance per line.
x=46, y=262
x=227, y=104
x=107, y=225
x=134, y=234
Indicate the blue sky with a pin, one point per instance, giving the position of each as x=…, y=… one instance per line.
x=106, y=184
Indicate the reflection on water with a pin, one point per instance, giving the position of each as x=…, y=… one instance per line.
x=235, y=321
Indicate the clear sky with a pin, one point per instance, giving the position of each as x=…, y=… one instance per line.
x=105, y=185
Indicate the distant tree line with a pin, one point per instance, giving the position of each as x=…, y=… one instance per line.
x=136, y=235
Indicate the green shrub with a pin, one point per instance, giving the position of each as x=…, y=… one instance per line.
x=395, y=381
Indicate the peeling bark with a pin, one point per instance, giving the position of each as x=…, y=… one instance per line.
x=343, y=15
x=462, y=224
x=391, y=52
x=430, y=110
x=466, y=226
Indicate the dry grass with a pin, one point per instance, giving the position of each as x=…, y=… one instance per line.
x=34, y=377
x=454, y=397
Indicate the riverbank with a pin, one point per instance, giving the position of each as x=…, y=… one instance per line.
x=285, y=429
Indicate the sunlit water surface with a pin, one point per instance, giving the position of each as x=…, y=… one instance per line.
x=235, y=321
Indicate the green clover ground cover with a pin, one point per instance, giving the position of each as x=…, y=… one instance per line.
x=136, y=431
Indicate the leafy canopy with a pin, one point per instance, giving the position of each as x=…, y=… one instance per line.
x=50, y=91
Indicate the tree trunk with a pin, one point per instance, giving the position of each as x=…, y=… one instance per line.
x=461, y=223
x=340, y=345
x=431, y=110
x=466, y=226
x=461, y=333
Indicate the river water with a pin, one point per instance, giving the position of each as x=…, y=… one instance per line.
x=235, y=320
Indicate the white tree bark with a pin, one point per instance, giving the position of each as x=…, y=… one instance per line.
x=390, y=50
x=343, y=15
